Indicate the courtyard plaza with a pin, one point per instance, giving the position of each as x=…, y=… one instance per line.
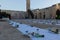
x=16, y=29
x=7, y=32
x=44, y=34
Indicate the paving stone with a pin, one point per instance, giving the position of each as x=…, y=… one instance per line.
x=7, y=32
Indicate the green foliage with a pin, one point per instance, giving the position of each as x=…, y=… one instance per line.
x=58, y=17
x=58, y=14
x=4, y=15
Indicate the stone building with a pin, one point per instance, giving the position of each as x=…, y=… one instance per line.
x=51, y=12
x=15, y=14
x=47, y=13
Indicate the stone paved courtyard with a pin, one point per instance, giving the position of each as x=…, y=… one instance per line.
x=7, y=32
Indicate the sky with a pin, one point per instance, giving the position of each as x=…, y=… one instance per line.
x=20, y=5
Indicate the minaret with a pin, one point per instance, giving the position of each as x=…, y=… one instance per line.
x=27, y=7
x=27, y=4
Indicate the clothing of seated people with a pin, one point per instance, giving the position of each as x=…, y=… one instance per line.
x=36, y=34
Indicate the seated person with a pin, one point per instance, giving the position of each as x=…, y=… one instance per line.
x=55, y=30
x=36, y=34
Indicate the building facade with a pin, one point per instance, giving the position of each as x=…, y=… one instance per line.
x=47, y=13
x=15, y=14
x=51, y=12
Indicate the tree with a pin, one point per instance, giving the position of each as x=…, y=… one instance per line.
x=58, y=14
x=30, y=13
